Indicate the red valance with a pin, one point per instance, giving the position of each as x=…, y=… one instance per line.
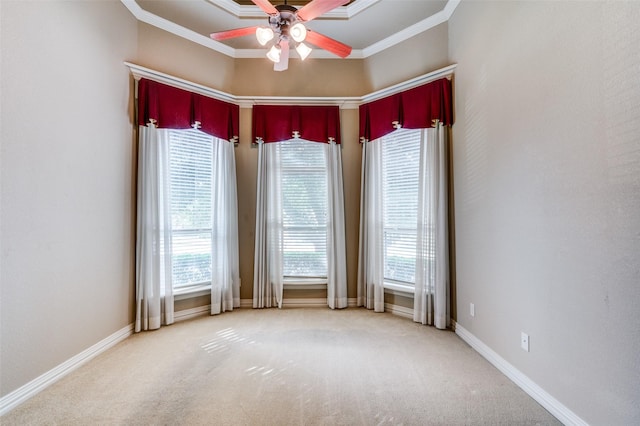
x=412, y=109
x=172, y=108
x=276, y=123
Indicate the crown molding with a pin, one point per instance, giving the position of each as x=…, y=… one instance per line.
x=342, y=102
x=450, y=7
x=413, y=30
x=405, y=34
x=173, y=28
x=345, y=102
x=245, y=12
x=139, y=72
x=252, y=11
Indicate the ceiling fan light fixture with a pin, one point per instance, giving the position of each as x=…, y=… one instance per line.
x=298, y=32
x=303, y=50
x=264, y=35
x=285, y=29
x=274, y=53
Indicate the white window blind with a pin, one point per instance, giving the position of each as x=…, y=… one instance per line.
x=400, y=173
x=304, y=208
x=190, y=163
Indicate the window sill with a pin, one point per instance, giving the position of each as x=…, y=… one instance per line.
x=194, y=291
x=398, y=289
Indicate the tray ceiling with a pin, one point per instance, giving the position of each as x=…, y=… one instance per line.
x=369, y=26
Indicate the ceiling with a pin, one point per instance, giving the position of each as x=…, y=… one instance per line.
x=368, y=26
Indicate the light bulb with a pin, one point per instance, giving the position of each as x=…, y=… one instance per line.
x=264, y=35
x=298, y=32
x=274, y=53
x=303, y=50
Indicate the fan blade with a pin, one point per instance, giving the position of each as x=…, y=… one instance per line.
x=329, y=44
x=238, y=32
x=266, y=6
x=318, y=7
x=284, y=57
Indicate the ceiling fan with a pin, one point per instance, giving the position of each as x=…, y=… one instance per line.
x=286, y=27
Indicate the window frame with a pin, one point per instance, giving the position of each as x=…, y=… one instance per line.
x=304, y=281
x=399, y=286
x=193, y=288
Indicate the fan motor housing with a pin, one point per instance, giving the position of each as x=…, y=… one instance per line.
x=281, y=22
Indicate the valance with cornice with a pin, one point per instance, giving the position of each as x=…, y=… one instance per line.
x=414, y=103
x=415, y=108
x=276, y=123
x=172, y=108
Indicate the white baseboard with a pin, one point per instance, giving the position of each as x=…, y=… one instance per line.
x=23, y=393
x=186, y=314
x=311, y=302
x=319, y=302
x=555, y=407
x=401, y=311
x=352, y=302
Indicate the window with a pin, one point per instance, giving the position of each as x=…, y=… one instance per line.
x=190, y=164
x=304, y=208
x=400, y=174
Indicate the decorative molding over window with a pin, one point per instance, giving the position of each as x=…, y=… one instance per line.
x=351, y=102
x=445, y=72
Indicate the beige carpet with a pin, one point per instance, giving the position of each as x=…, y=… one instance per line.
x=286, y=367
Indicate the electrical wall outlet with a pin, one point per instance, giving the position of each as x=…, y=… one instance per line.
x=524, y=341
x=472, y=309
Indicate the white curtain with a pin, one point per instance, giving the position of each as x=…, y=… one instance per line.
x=432, y=299
x=225, y=266
x=154, y=289
x=370, y=257
x=336, y=244
x=268, y=266
x=267, y=271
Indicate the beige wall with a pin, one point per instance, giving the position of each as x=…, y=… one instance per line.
x=418, y=55
x=312, y=77
x=246, y=172
x=165, y=52
x=66, y=199
x=547, y=194
x=351, y=163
